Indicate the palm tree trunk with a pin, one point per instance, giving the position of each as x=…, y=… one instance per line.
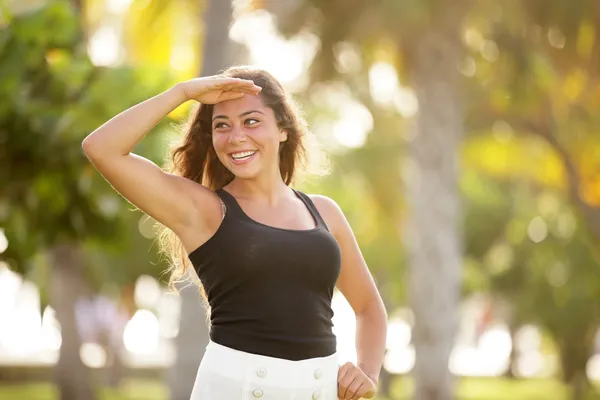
x=72, y=376
x=217, y=52
x=193, y=331
x=575, y=349
x=190, y=344
x=432, y=231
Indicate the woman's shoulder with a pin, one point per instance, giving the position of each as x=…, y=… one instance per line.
x=321, y=201
x=330, y=211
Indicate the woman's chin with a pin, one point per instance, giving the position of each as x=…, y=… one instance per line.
x=245, y=176
x=244, y=173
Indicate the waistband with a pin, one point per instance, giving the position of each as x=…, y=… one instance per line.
x=240, y=365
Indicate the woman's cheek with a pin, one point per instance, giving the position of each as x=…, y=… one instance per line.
x=218, y=142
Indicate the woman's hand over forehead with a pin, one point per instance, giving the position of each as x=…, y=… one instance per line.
x=217, y=88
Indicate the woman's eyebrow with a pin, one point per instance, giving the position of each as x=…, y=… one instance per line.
x=241, y=115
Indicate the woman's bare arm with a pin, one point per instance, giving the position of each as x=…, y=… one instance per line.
x=172, y=200
x=163, y=196
x=358, y=287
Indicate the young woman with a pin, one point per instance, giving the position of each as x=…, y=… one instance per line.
x=268, y=257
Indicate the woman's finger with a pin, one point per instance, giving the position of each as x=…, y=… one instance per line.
x=246, y=85
x=234, y=82
x=368, y=394
x=344, y=383
x=230, y=96
x=358, y=393
x=352, y=391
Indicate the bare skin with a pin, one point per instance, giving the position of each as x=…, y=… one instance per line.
x=193, y=212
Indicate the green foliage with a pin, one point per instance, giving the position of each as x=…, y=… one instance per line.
x=51, y=97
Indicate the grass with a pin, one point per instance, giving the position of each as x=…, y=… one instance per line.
x=468, y=389
x=130, y=390
x=495, y=389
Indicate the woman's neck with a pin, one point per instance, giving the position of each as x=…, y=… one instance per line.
x=268, y=191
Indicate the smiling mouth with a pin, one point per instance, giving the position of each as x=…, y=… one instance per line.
x=242, y=155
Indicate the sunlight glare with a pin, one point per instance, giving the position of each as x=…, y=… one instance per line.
x=117, y=6
x=400, y=361
x=108, y=204
x=344, y=328
x=168, y=314
x=181, y=57
x=556, y=38
x=405, y=102
x=3, y=241
x=383, y=83
x=352, y=121
x=51, y=337
x=104, y=47
x=566, y=225
x=287, y=60
x=497, y=341
x=386, y=90
x=21, y=333
x=593, y=367
x=529, y=364
x=474, y=39
x=489, y=358
x=141, y=333
x=354, y=124
x=147, y=291
x=241, y=7
x=146, y=226
x=10, y=282
x=347, y=58
x=528, y=338
x=399, y=334
x=92, y=355
x=467, y=66
x=490, y=51
x=537, y=230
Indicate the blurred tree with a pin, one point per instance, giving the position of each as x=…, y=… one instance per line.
x=433, y=234
x=53, y=205
x=537, y=68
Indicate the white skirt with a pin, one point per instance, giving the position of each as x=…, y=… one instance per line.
x=229, y=374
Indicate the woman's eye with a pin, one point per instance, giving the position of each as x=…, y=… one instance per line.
x=251, y=119
x=219, y=125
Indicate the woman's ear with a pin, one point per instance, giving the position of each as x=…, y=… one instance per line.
x=283, y=135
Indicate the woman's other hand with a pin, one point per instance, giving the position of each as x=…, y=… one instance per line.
x=354, y=384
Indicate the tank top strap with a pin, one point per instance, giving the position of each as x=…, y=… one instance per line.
x=312, y=208
x=232, y=208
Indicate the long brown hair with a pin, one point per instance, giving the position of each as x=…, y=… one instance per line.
x=195, y=157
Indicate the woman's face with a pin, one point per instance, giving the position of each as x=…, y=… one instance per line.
x=246, y=137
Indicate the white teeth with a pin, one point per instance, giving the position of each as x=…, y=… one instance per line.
x=242, y=155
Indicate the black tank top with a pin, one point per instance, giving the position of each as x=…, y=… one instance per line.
x=270, y=289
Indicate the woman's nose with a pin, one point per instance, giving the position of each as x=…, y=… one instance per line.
x=236, y=136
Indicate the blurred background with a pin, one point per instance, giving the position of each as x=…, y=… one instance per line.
x=464, y=146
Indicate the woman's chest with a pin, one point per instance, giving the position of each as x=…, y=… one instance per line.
x=262, y=252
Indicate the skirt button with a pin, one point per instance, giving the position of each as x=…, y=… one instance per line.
x=316, y=395
x=261, y=372
x=318, y=373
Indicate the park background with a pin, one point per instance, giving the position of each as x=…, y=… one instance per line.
x=463, y=140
